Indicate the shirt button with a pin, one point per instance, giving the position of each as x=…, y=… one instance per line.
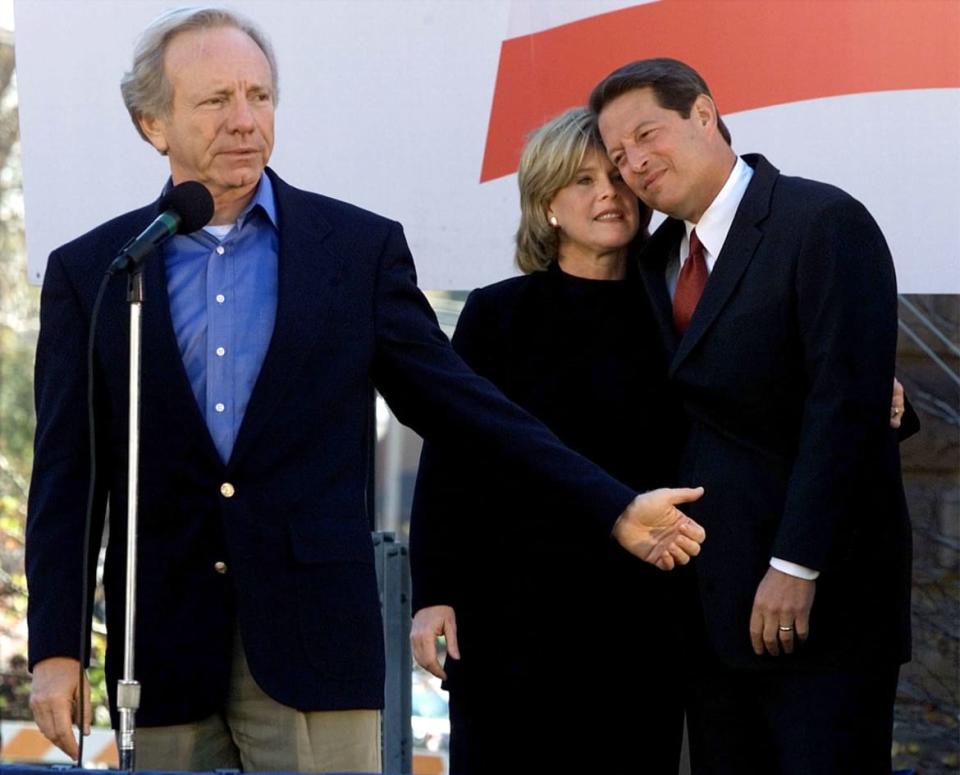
x=221, y=298
x=220, y=250
x=219, y=407
x=227, y=490
x=220, y=567
x=221, y=352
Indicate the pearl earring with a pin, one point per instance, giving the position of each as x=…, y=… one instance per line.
x=553, y=221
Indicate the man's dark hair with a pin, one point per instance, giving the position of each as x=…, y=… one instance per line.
x=675, y=85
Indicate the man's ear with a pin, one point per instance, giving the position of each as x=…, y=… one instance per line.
x=705, y=111
x=155, y=130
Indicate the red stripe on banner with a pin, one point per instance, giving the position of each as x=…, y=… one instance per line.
x=753, y=53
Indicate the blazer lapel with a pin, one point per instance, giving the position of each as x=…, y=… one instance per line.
x=738, y=250
x=308, y=274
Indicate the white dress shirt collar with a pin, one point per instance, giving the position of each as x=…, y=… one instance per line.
x=715, y=222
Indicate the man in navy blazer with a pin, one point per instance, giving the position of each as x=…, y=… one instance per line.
x=777, y=298
x=259, y=640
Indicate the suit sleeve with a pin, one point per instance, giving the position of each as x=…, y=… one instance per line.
x=847, y=318
x=432, y=390
x=60, y=480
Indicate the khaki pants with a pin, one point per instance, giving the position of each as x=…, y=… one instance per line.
x=258, y=734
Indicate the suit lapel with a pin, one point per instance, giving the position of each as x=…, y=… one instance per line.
x=738, y=250
x=308, y=273
x=653, y=261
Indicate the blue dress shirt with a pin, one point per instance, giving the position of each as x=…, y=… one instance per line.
x=223, y=302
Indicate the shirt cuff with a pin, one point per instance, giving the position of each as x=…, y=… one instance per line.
x=792, y=569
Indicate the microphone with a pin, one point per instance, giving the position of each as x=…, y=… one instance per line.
x=185, y=208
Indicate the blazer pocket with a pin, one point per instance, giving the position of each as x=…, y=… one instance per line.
x=316, y=540
x=338, y=608
x=337, y=600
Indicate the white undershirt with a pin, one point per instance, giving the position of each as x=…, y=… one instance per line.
x=219, y=230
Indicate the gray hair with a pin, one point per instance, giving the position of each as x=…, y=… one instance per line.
x=145, y=88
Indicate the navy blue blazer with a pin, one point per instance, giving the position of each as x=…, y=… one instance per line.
x=785, y=375
x=293, y=531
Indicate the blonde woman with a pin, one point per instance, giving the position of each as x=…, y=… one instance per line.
x=557, y=629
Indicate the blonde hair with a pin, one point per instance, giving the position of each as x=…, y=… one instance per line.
x=549, y=162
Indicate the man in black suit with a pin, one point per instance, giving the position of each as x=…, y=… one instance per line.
x=777, y=298
x=259, y=640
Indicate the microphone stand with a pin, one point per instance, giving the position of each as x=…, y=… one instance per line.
x=128, y=689
x=185, y=199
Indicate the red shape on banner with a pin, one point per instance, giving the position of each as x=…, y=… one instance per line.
x=753, y=53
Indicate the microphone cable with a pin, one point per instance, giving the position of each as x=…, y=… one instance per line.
x=88, y=520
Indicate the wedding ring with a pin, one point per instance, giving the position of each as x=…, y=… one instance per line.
x=785, y=629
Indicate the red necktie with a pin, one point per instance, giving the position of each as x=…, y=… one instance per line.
x=690, y=284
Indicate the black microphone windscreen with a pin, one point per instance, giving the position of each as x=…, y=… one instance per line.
x=192, y=202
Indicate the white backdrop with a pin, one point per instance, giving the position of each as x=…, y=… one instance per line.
x=386, y=103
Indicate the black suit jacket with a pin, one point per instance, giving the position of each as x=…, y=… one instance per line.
x=785, y=376
x=294, y=534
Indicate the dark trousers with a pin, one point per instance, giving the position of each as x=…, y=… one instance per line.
x=500, y=730
x=796, y=723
